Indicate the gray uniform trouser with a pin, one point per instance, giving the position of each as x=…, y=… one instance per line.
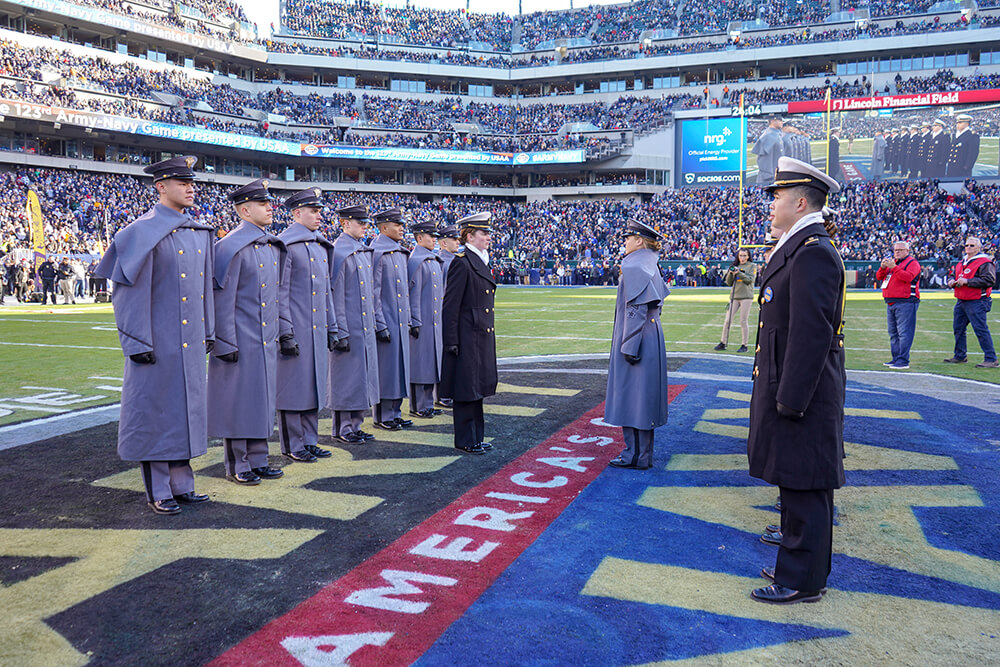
x=421, y=397
x=346, y=422
x=638, y=446
x=242, y=454
x=165, y=479
x=388, y=409
x=296, y=429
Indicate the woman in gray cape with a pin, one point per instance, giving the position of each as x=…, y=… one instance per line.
x=637, y=375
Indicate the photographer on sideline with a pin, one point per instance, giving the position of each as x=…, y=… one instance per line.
x=741, y=276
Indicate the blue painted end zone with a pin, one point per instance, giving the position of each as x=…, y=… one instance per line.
x=536, y=614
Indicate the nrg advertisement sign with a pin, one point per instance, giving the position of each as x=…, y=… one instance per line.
x=710, y=151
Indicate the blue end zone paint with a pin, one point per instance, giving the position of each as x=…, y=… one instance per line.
x=535, y=614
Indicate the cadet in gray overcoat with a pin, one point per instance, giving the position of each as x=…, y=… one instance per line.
x=242, y=370
x=469, y=366
x=308, y=332
x=161, y=265
x=392, y=298
x=426, y=302
x=637, y=374
x=352, y=387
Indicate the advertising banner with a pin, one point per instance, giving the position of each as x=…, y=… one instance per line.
x=897, y=101
x=711, y=151
x=33, y=210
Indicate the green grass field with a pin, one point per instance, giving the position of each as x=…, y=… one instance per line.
x=67, y=357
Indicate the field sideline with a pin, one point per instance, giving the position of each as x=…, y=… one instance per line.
x=67, y=357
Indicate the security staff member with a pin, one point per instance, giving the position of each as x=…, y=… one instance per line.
x=899, y=277
x=797, y=404
x=242, y=372
x=352, y=385
x=47, y=274
x=637, y=373
x=307, y=328
x=161, y=265
x=448, y=245
x=973, y=285
x=964, y=148
x=469, y=368
x=393, y=331
x=426, y=301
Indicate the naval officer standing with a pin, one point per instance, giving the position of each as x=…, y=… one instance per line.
x=243, y=368
x=797, y=406
x=469, y=366
x=426, y=301
x=352, y=384
x=392, y=299
x=161, y=265
x=637, y=374
x=307, y=330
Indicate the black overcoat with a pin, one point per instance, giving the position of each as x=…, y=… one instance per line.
x=467, y=320
x=800, y=363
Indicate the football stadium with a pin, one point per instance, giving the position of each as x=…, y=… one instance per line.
x=459, y=197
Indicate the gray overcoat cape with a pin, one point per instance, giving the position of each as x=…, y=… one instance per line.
x=241, y=395
x=426, y=305
x=637, y=394
x=161, y=265
x=392, y=295
x=306, y=311
x=353, y=380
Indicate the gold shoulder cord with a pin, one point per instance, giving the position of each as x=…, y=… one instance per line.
x=843, y=288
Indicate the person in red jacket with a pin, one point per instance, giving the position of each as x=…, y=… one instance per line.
x=973, y=283
x=899, y=278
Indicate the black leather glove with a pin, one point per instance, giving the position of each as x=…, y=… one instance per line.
x=632, y=359
x=331, y=341
x=788, y=413
x=451, y=349
x=415, y=332
x=289, y=347
x=383, y=336
x=230, y=358
x=143, y=357
x=343, y=345
x=209, y=346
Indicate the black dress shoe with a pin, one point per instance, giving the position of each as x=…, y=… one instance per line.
x=768, y=573
x=351, y=438
x=388, y=426
x=267, y=472
x=191, y=498
x=471, y=449
x=622, y=463
x=302, y=456
x=424, y=414
x=168, y=506
x=486, y=446
x=777, y=504
x=365, y=434
x=248, y=478
x=443, y=403
x=778, y=594
x=773, y=529
x=403, y=423
x=318, y=452
x=773, y=539
x=437, y=412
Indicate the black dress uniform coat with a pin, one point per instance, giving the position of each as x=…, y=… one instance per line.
x=938, y=148
x=468, y=323
x=800, y=363
x=963, y=154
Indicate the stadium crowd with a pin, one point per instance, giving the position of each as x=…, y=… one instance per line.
x=82, y=211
